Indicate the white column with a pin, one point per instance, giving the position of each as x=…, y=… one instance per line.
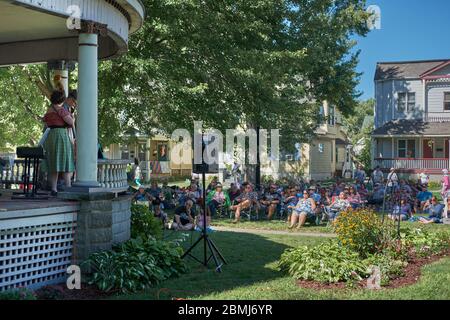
x=449, y=153
x=393, y=148
x=374, y=151
x=87, y=125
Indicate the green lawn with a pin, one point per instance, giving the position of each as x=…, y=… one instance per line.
x=251, y=274
x=275, y=225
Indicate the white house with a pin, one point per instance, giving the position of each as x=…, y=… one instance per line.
x=412, y=117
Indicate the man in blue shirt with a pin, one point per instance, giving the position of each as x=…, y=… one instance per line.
x=422, y=197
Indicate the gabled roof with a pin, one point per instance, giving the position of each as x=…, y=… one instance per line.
x=407, y=69
x=405, y=127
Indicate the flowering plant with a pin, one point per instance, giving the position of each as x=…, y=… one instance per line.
x=360, y=230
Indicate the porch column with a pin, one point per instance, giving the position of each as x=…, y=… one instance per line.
x=374, y=151
x=449, y=153
x=393, y=148
x=87, y=129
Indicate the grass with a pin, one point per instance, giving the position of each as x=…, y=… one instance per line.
x=251, y=274
x=274, y=225
x=277, y=225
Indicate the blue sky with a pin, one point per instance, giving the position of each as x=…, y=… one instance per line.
x=410, y=30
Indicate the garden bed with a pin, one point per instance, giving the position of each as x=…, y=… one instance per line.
x=411, y=276
x=365, y=244
x=61, y=292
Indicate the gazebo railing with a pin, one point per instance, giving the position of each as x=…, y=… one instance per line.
x=111, y=174
x=13, y=175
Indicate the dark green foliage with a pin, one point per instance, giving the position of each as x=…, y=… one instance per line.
x=337, y=261
x=144, y=224
x=328, y=263
x=136, y=265
x=18, y=294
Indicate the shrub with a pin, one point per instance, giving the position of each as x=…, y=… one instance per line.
x=136, y=265
x=144, y=223
x=424, y=243
x=328, y=263
x=18, y=294
x=432, y=185
x=360, y=230
x=389, y=265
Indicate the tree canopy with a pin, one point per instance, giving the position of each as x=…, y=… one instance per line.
x=266, y=63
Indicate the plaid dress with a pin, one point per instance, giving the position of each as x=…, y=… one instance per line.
x=59, y=151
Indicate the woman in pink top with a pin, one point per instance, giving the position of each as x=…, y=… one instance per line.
x=445, y=183
x=58, y=147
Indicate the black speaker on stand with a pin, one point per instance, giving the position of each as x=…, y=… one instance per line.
x=208, y=243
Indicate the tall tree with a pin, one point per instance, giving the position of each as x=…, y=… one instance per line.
x=265, y=63
x=360, y=126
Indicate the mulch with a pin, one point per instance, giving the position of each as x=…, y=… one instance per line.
x=411, y=276
x=61, y=292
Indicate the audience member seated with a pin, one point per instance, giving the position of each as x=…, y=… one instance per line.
x=200, y=220
x=434, y=210
x=402, y=211
x=270, y=201
x=244, y=201
x=154, y=190
x=158, y=212
x=217, y=198
x=339, y=205
x=167, y=196
x=404, y=187
x=212, y=185
x=290, y=200
x=354, y=198
x=377, y=197
x=304, y=210
x=184, y=217
x=422, y=197
x=233, y=192
x=141, y=195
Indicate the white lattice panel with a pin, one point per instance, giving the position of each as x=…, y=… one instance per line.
x=35, y=251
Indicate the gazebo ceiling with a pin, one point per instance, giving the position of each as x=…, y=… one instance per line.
x=36, y=31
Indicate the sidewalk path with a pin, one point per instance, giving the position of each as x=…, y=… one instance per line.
x=275, y=232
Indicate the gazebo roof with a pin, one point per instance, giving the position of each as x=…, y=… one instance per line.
x=36, y=31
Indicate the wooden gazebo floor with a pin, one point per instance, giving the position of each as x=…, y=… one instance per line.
x=7, y=204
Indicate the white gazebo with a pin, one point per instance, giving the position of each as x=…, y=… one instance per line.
x=39, y=31
x=38, y=241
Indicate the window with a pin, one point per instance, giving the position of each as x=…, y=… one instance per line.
x=331, y=116
x=411, y=101
x=446, y=101
x=322, y=114
x=406, y=101
x=406, y=148
x=321, y=147
x=401, y=102
x=163, y=154
x=125, y=152
x=142, y=152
